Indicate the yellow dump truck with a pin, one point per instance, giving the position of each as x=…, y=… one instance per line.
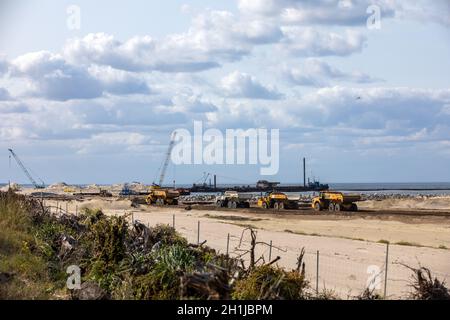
x=162, y=196
x=277, y=201
x=335, y=201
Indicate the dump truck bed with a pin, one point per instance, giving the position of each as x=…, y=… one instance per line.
x=238, y=195
x=350, y=198
x=341, y=197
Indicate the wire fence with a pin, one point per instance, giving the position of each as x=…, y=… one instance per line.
x=379, y=267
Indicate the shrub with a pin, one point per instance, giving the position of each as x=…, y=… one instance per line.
x=269, y=282
x=427, y=288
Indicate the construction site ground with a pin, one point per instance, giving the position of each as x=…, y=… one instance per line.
x=350, y=243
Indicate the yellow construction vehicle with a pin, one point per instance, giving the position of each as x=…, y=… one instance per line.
x=277, y=201
x=69, y=190
x=162, y=196
x=335, y=201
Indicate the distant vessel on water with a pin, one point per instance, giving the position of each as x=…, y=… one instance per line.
x=261, y=185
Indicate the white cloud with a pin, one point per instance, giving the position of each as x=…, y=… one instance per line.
x=307, y=41
x=4, y=65
x=437, y=11
x=95, y=94
x=113, y=142
x=55, y=79
x=213, y=38
x=118, y=81
x=346, y=12
x=9, y=106
x=189, y=102
x=4, y=94
x=326, y=12
x=333, y=12
x=242, y=85
x=318, y=73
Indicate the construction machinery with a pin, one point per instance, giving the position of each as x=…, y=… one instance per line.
x=69, y=190
x=24, y=169
x=104, y=193
x=233, y=200
x=162, y=196
x=127, y=191
x=277, y=201
x=335, y=201
x=159, y=195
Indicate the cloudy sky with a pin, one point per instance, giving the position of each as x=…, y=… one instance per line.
x=94, y=97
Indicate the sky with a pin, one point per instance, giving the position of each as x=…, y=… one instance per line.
x=90, y=91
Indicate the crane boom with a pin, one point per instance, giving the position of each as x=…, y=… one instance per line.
x=37, y=186
x=166, y=160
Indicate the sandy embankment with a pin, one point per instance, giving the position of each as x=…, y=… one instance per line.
x=418, y=203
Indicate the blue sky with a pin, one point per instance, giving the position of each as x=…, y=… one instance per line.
x=97, y=104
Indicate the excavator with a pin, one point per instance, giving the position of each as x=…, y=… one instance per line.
x=159, y=195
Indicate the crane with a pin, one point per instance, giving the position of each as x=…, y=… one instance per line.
x=37, y=186
x=166, y=160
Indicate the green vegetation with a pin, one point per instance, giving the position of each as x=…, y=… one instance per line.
x=268, y=282
x=23, y=273
x=406, y=243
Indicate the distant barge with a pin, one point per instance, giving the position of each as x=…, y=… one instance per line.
x=261, y=186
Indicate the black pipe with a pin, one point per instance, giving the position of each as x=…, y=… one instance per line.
x=304, y=172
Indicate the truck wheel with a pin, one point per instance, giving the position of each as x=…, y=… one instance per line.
x=317, y=206
x=331, y=207
x=175, y=202
x=354, y=207
x=233, y=204
x=280, y=206
x=337, y=207
x=264, y=205
x=219, y=204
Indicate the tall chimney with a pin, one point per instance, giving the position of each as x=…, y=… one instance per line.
x=215, y=182
x=304, y=172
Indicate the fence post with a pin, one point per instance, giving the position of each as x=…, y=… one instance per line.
x=386, y=270
x=270, y=251
x=173, y=221
x=198, y=232
x=317, y=273
x=228, y=243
